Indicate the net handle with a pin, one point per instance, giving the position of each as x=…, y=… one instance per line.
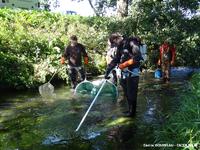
x=57, y=70
x=130, y=72
x=85, y=73
x=82, y=120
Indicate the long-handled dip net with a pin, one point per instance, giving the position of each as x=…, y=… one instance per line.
x=91, y=88
x=47, y=89
x=84, y=87
x=101, y=88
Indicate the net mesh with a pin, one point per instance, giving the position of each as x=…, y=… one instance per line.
x=91, y=89
x=46, y=90
x=109, y=90
x=84, y=87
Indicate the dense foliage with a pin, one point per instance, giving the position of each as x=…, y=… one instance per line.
x=158, y=20
x=38, y=39
x=14, y=72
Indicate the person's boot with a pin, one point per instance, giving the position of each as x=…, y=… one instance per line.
x=130, y=113
x=164, y=79
x=126, y=112
x=73, y=86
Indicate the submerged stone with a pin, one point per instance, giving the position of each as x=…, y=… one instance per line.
x=51, y=140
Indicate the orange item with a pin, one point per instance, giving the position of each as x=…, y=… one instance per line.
x=127, y=63
x=164, y=47
x=62, y=60
x=86, y=60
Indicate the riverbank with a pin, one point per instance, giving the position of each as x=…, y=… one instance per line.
x=32, y=42
x=183, y=127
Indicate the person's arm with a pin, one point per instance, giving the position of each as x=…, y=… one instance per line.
x=160, y=55
x=127, y=63
x=85, y=55
x=136, y=58
x=113, y=63
x=173, y=50
x=108, y=59
x=65, y=56
x=67, y=52
x=145, y=52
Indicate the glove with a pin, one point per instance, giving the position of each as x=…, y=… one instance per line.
x=126, y=64
x=86, y=60
x=62, y=60
x=106, y=77
x=107, y=73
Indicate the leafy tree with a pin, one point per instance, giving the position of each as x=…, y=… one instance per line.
x=160, y=19
x=100, y=7
x=103, y=7
x=122, y=8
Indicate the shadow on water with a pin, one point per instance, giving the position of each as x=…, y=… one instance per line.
x=28, y=121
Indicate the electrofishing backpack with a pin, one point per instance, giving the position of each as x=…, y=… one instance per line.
x=130, y=49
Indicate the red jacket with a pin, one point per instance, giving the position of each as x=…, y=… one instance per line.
x=164, y=47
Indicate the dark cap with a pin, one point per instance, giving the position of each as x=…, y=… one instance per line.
x=114, y=36
x=73, y=38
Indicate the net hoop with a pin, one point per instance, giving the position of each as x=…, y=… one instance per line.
x=80, y=84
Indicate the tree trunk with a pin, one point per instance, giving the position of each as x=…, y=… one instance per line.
x=122, y=8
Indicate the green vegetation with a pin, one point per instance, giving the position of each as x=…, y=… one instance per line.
x=184, y=126
x=17, y=75
x=36, y=40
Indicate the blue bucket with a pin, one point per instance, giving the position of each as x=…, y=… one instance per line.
x=158, y=73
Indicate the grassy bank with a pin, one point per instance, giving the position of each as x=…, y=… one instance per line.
x=184, y=126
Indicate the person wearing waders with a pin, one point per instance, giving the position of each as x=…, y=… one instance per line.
x=74, y=53
x=111, y=52
x=128, y=59
x=143, y=50
x=166, y=59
